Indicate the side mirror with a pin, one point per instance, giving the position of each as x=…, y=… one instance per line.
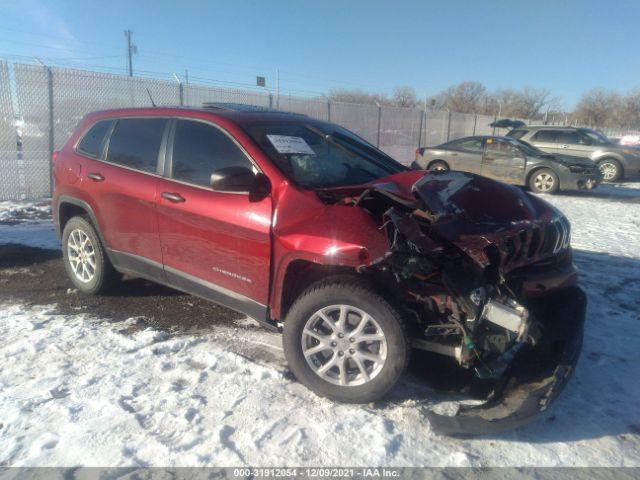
x=241, y=179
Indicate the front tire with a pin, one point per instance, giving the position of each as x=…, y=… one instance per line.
x=544, y=181
x=344, y=341
x=84, y=257
x=610, y=169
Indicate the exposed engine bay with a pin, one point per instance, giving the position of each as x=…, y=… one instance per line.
x=486, y=276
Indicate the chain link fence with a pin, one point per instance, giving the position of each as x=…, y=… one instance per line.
x=40, y=107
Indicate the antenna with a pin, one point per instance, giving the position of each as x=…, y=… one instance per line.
x=150, y=97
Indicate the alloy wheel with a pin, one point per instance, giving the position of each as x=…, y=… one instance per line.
x=344, y=345
x=609, y=170
x=82, y=255
x=544, y=182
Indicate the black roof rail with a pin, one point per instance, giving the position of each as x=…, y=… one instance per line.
x=242, y=107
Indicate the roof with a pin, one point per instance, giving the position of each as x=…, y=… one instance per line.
x=237, y=113
x=554, y=127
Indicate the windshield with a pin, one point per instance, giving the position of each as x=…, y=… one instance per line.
x=321, y=155
x=596, y=137
x=527, y=148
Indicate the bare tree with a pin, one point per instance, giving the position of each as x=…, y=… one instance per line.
x=358, y=96
x=404, y=96
x=627, y=114
x=466, y=97
x=596, y=107
x=526, y=103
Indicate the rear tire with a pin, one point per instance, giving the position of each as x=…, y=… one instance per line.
x=344, y=341
x=610, y=169
x=544, y=180
x=84, y=257
x=439, y=166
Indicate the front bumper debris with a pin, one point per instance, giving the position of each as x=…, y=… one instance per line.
x=535, y=376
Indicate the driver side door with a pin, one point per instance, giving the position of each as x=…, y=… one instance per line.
x=215, y=244
x=503, y=161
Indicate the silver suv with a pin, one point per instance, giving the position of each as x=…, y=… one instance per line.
x=615, y=161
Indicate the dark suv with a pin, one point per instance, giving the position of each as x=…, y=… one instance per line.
x=312, y=231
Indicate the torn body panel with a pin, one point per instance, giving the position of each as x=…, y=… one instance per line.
x=479, y=265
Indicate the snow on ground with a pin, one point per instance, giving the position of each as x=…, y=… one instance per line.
x=77, y=390
x=34, y=221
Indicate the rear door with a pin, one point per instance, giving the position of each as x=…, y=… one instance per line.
x=546, y=140
x=465, y=154
x=123, y=187
x=502, y=161
x=214, y=244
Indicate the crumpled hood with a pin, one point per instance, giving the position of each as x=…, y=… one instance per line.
x=573, y=160
x=475, y=213
x=478, y=200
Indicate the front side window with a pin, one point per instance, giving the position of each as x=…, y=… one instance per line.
x=200, y=149
x=322, y=155
x=93, y=141
x=547, y=136
x=499, y=148
x=473, y=145
x=594, y=137
x=135, y=143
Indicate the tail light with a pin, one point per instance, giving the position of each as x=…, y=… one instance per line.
x=54, y=156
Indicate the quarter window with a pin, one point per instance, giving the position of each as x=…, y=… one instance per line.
x=200, y=149
x=93, y=142
x=548, y=136
x=135, y=143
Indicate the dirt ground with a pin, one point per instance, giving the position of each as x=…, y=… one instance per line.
x=37, y=276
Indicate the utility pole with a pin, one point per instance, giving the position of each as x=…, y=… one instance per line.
x=277, y=88
x=131, y=50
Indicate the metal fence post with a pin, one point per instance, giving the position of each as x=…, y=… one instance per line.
x=422, y=114
x=448, y=125
x=181, y=93
x=328, y=110
x=379, y=122
x=475, y=122
x=271, y=100
x=51, y=139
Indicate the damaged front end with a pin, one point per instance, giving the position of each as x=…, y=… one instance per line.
x=486, y=270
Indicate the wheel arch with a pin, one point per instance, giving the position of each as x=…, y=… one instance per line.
x=69, y=207
x=300, y=274
x=438, y=160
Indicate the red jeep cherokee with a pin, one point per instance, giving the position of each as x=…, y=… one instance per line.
x=312, y=231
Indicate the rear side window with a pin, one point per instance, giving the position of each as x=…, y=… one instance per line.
x=199, y=149
x=549, y=136
x=517, y=134
x=135, y=143
x=93, y=141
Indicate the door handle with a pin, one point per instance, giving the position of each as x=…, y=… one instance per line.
x=96, y=177
x=173, y=197
x=454, y=154
x=564, y=146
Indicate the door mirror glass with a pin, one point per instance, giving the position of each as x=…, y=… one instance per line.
x=233, y=179
x=241, y=179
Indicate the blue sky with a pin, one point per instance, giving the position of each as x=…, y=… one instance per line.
x=565, y=46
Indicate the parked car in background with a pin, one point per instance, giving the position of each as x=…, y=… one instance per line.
x=318, y=234
x=511, y=161
x=615, y=161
